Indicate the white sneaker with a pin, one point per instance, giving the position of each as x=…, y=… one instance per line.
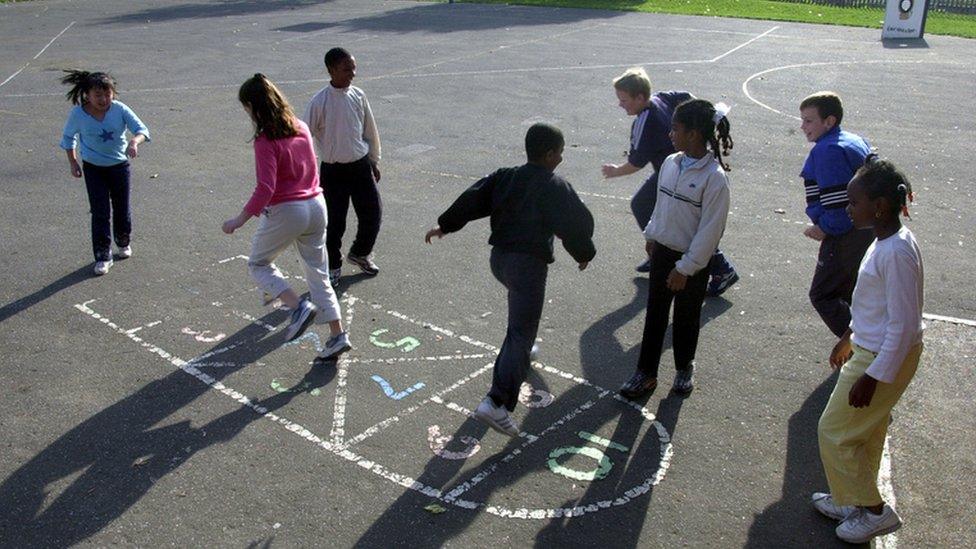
x=102, y=267
x=824, y=503
x=496, y=417
x=124, y=252
x=335, y=346
x=300, y=319
x=864, y=525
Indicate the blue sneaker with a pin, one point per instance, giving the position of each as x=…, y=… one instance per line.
x=719, y=283
x=300, y=320
x=335, y=346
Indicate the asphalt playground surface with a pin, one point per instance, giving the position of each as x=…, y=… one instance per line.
x=157, y=406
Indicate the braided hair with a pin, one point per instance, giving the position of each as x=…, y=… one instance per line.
x=881, y=179
x=698, y=114
x=82, y=82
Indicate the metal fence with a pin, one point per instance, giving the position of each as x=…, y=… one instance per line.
x=949, y=6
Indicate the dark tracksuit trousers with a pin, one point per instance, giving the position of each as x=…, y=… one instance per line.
x=108, y=199
x=835, y=276
x=524, y=276
x=687, y=313
x=340, y=184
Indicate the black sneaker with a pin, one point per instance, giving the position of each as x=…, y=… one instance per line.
x=638, y=385
x=719, y=283
x=644, y=267
x=684, y=380
x=364, y=262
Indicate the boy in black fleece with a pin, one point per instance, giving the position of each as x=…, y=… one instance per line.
x=528, y=205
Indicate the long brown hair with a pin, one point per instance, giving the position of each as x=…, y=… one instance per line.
x=273, y=116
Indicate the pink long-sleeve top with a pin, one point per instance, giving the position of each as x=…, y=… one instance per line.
x=286, y=170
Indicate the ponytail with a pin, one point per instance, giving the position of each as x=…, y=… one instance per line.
x=83, y=81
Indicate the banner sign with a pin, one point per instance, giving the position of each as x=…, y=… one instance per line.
x=904, y=19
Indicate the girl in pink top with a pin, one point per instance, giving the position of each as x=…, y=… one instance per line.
x=289, y=201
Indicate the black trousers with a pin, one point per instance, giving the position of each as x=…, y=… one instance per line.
x=108, y=200
x=524, y=276
x=340, y=184
x=687, y=313
x=835, y=276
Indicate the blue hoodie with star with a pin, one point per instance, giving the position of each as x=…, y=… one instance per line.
x=103, y=142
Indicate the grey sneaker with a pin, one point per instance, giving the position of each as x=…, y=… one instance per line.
x=335, y=346
x=300, y=320
x=364, y=262
x=684, y=380
x=334, y=275
x=824, y=503
x=102, y=267
x=124, y=252
x=864, y=525
x=496, y=417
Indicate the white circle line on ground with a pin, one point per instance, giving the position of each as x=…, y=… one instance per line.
x=343, y=451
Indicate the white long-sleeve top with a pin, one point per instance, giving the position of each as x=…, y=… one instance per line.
x=342, y=125
x=886, y=310
x=691, y=210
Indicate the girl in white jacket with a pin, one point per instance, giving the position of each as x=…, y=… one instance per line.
x=683, y=233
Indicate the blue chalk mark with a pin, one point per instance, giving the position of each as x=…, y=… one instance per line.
x=308, y=336
x=388, y=390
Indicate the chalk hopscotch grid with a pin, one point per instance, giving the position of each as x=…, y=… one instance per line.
x=342, y=448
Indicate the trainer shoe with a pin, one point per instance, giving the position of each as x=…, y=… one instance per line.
x=864, y=525
x=301, y=317
x=124, y=252
x=364, y=262
x=824, y=503
x=334, y=275
x=335, y=346
x=644, y=267
x=496, y=417
x=684, y=380
x=719, y=283
x=102, y=267
x=638, y=385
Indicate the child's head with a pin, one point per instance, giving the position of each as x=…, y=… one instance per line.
x=633, y=89
x=877, y=194
x=341, y=66
x=544, y=145
x=269, y=109
x=696, y=123
x=820, y=113
x=94, y=88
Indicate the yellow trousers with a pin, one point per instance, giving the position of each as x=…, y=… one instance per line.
x=852, y=439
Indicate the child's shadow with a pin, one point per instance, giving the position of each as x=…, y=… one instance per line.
x=120, y=452
x=79, y=275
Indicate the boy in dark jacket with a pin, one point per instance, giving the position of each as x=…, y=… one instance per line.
x=528, y=205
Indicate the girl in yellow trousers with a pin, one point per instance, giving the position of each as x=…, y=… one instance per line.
x=878, y=356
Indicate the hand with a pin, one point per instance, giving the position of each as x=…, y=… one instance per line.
x=841, y=353
x=75, y=169
x=676, y=281
x=231, y=225
x=815, y=233
x=862, y=392
x=609, y=170
x=132, y=150
x=436, y=231
x=376, y=172
x=583, y=264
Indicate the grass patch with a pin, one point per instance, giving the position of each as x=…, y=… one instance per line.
x=936, y=23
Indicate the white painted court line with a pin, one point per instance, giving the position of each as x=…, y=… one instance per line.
x=356, y=360
x=58, y=35
x=338, y=431
x=951, y=319
x=742, y=45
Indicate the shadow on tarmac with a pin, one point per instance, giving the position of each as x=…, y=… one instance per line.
x=118, y=454
x=792, y=521
x=79, y=275
x=600, y=353
x=224, y=8
x=445, y=18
